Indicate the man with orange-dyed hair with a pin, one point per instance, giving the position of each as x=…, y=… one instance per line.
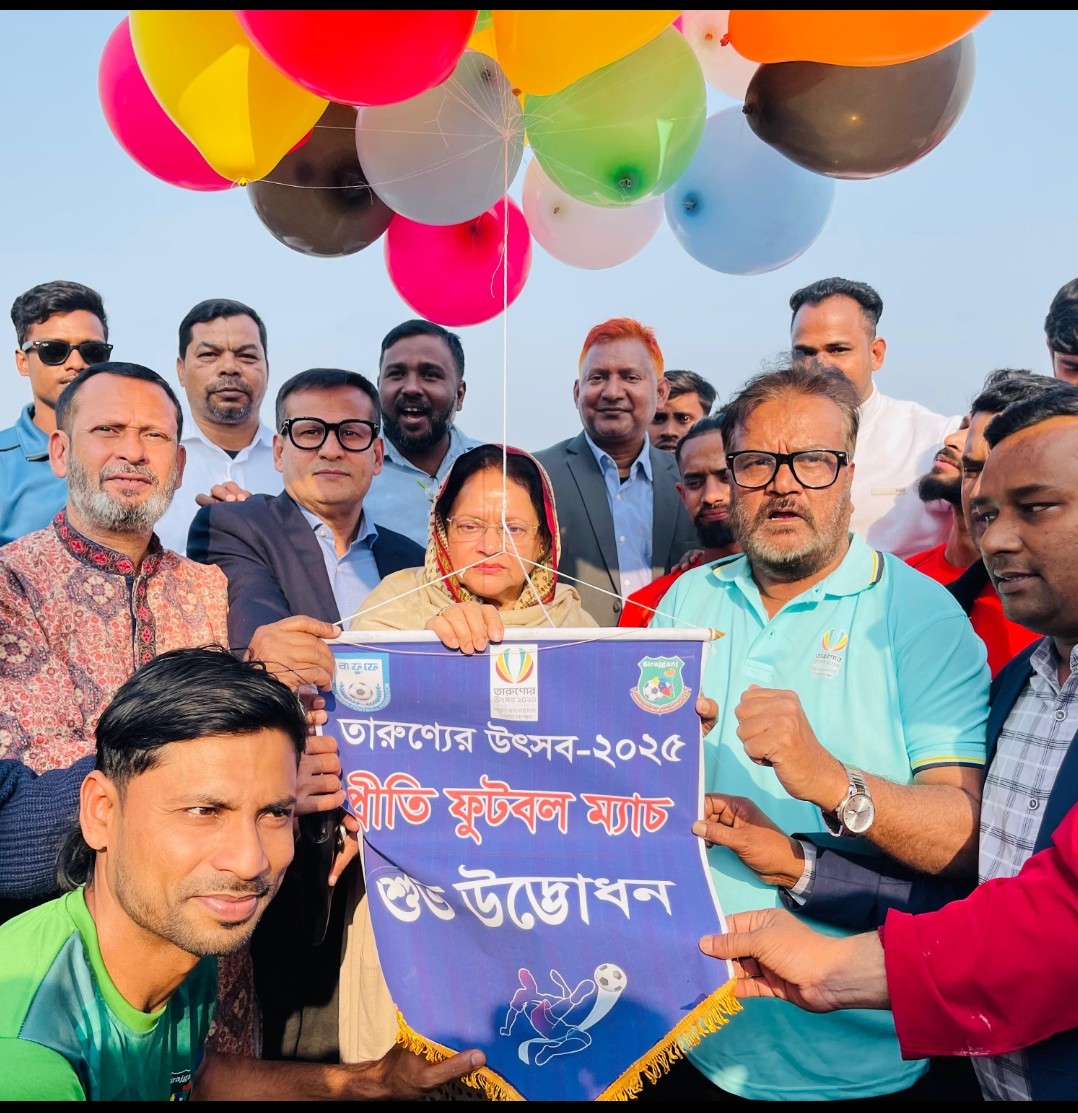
x=622, y=523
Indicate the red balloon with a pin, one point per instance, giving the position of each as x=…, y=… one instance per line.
x=454, y=274
x=362, y=57
x=141, y=126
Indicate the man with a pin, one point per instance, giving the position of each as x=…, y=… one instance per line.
x=704, y=488
x=312, y=550
x=60, y=328
x=836, y=319
x=620, y=520
x=110, y=990
x=223, y=369
x=1061, y=332
x=421, y=388
x=950, y=986
x=690, y=399
x=844, y=726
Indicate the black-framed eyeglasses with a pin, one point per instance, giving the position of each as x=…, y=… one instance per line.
x=353, y=435
x=54, y=352
x=814, y=468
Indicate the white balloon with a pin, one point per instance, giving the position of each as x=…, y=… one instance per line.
x=450, y=153
x=724, y=69
x=591, y=237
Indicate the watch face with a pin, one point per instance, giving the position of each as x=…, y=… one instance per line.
x=858, y=813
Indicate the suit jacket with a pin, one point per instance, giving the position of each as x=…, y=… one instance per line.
x=589, y=551
x=274, y=563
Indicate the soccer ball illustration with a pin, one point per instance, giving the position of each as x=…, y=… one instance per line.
x=610, y=977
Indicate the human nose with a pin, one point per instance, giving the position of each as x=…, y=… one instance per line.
x=784, y=479
x=716, y=491
x=486, y=545
x=331, y=446
x=131, y=446
x=242, y=851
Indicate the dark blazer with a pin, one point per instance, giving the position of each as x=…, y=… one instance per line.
x=589, y=552
x=273, y=561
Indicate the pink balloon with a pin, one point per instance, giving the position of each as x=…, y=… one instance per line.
x=141, y=125
x=454, y=274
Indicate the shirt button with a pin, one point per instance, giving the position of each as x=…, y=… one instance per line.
x=622, y=537
x=1060, y=714
x=1032, y=805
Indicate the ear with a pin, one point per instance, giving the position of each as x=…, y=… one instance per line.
x=576, y=393
x=462, y=388
x=878, y=348
x=22, y=363
x=681, y=493
x=278, y=451
x=59, y=453
x=662, y=391
x=379, y=449
x=98, y=807
x=181, y=463
x=179, y=372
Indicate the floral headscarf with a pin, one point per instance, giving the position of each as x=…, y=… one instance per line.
x=541, y=578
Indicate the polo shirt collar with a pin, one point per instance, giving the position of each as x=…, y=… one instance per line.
x=33, y=442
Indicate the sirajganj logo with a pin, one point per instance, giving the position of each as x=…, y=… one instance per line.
x=660, y=688
x=829, y=660
x=362, y=681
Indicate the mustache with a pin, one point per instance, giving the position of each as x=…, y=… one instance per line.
x=110, y=471
x=228, y=384
x=231, y=887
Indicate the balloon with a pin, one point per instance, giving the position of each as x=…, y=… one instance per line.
x=241, y=112
x=583, y=235
x=316, y=200
x=544, y=51
x=455, y=276
x=860, y=122
x=364, y=56
x=625, y=132
x=740, y=207
x=847, y=38
x=724, y=69
x=450, y=153
x=141, y=126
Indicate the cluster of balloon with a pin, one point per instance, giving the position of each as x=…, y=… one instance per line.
x=410, y=127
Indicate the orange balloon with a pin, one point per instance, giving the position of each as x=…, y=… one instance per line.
x=845, y=38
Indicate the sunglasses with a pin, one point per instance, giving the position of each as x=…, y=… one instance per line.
x=54, y=352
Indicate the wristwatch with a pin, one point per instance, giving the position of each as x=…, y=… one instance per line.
x=854, y=816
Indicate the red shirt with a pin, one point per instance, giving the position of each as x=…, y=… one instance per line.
x=640, y=606
x=932, y=563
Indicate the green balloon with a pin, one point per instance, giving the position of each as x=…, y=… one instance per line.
x=625, y=132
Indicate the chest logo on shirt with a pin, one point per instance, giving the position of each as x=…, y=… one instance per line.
x=361, y=681
x=660, y=688
x=832, y=653
x=179, y=1085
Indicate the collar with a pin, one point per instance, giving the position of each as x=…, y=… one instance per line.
x=33, y=441
x=263, y=435
x=100, y=557
x=458, y=443
x=643, y=458
x=872, y=406
x=367, y=532
x=861, y=568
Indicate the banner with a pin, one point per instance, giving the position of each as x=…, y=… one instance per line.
x=533, y=881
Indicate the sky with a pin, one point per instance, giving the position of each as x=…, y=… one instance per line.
x=966, y=246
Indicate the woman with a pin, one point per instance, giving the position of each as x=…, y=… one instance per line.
x=491, y=562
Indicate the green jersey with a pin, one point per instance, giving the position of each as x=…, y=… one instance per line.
x=65, y=1031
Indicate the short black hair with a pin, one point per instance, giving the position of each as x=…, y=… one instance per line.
x=1061, y=324
x=712, y=423
x=210, y=310
x=1061, y=400
x=326, y=378
x=419, y=327
x=866, y=297
x=1006, y=385
x=65, y=404
x=39, y=303
x=179, y=696
x=689, y=382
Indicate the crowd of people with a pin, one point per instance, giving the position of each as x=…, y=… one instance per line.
x=886, y=720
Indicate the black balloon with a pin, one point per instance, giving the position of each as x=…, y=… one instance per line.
x=860, y=121
x=316, y=200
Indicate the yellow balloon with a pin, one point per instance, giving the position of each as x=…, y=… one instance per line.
x=543, y=51
x=240, y=111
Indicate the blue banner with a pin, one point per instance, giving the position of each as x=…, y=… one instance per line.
x=534, y=885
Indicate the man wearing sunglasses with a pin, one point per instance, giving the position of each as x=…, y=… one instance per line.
x=312, y=550
x=851, y=698
x=60, y=328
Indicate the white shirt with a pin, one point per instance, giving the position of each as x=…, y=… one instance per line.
x=208, y=464
x=896, y=444
x=401, y=495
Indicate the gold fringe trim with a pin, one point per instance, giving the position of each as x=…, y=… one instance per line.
x=708, y=1017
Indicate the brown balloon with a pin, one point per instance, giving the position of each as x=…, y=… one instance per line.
x=316, y=200
x=857, y=121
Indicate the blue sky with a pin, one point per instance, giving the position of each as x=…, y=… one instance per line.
x=966, y=247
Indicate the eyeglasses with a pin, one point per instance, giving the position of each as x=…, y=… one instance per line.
x=814, y=468
x=353, y=435
x=474, y=529
x=54, y=352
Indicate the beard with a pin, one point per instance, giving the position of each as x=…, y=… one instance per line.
x=107, y=512
x=440, y=424
x=781, y=562
x=228, y=413
x=932, y=488
x=714, y=535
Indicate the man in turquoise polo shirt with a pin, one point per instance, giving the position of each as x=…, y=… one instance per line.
x=851, y=696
